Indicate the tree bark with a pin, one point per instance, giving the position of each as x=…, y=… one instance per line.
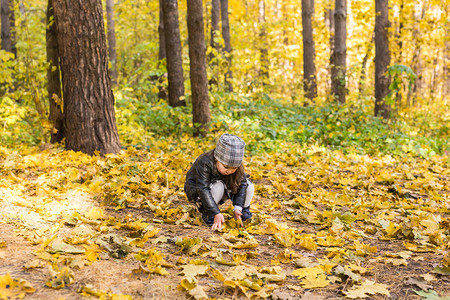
x=56, y=116
x=340, y=50
x=197, y=56
x=417, y=61
x=382, y=58
x=173, y=52
x=264, y=51
x=362, y=76
x=329, y=20
x=215, y=19
x=8, y=33
x=111, y=40
x=227, y=42
x=309, y=52
x=88, y=99
x=162, y=94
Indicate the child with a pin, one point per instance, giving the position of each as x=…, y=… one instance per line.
x=218, y=175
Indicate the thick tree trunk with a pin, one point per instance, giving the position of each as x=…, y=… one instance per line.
x=197, y=58
x=264, y=48
x=382, y=58
x=8, y=34
x=111, y=40
x=56, y=116
x=88, y=99
x=226, y=41
x=173, y=52
x=162, y=94
x=309, y=52
x=340, y=50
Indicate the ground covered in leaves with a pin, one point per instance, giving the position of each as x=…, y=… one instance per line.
x=326, y=225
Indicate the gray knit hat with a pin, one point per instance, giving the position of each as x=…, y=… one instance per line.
x=230, y=150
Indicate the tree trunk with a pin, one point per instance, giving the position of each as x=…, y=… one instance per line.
x=382, y=58
x=362, y=77
x=329, y=20
x=8, y=27
x=215, y=19
x=88, y=99
x=162, y=94
x=340, y=50
x=264, y=51
x=309, y=52
x=111, y=40
x=227, y=42
x=56, y=116
x=173, y=52
x=197, y=57
x=417, y=62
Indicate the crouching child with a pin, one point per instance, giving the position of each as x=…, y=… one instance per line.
x=219, y=175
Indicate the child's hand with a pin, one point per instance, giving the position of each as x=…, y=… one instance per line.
x=218, y=222
x=237, y=217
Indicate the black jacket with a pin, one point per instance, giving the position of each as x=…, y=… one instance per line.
x=199, y=178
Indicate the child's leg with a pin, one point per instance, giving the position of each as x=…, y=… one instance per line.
x=218, y=191
x=249, y=193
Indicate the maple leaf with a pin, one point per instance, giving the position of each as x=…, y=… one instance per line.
x=367, y=288
x=60, y=278
x=192, y=270
x=14, y=288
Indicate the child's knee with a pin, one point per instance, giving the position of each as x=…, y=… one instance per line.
x=217, y=190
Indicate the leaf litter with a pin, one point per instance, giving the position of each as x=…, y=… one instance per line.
x=326, y=224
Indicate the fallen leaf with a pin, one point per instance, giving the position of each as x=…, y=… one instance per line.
x=367, y=288
x=14, y=288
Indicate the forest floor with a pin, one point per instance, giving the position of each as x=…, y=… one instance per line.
x=307, y=240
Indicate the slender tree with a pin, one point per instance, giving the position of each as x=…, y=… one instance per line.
x=362, y=76
x=264, y=51
x=340, y=50
x=162, y=57
x=88, y=99
x=8, y=34
x=226, y=41
x=197, y=57
x=417, y=60
x=309, y=52
x=173, y=52
x=382, y=58
x=329, y=20
x=56, y=116
x=111, y=40
x=215, y=46
x=215, y=19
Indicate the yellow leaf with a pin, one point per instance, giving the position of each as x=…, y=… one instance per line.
x=94, y=214
x=311, y=272
x=14, y=288
x=285, y=238
x=194, y=270
x=60, y=278
x=307, y=242
x=311, y=282
x=222, y=261
x=366, y=289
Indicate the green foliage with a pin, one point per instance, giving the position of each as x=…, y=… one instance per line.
x=399, y=74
